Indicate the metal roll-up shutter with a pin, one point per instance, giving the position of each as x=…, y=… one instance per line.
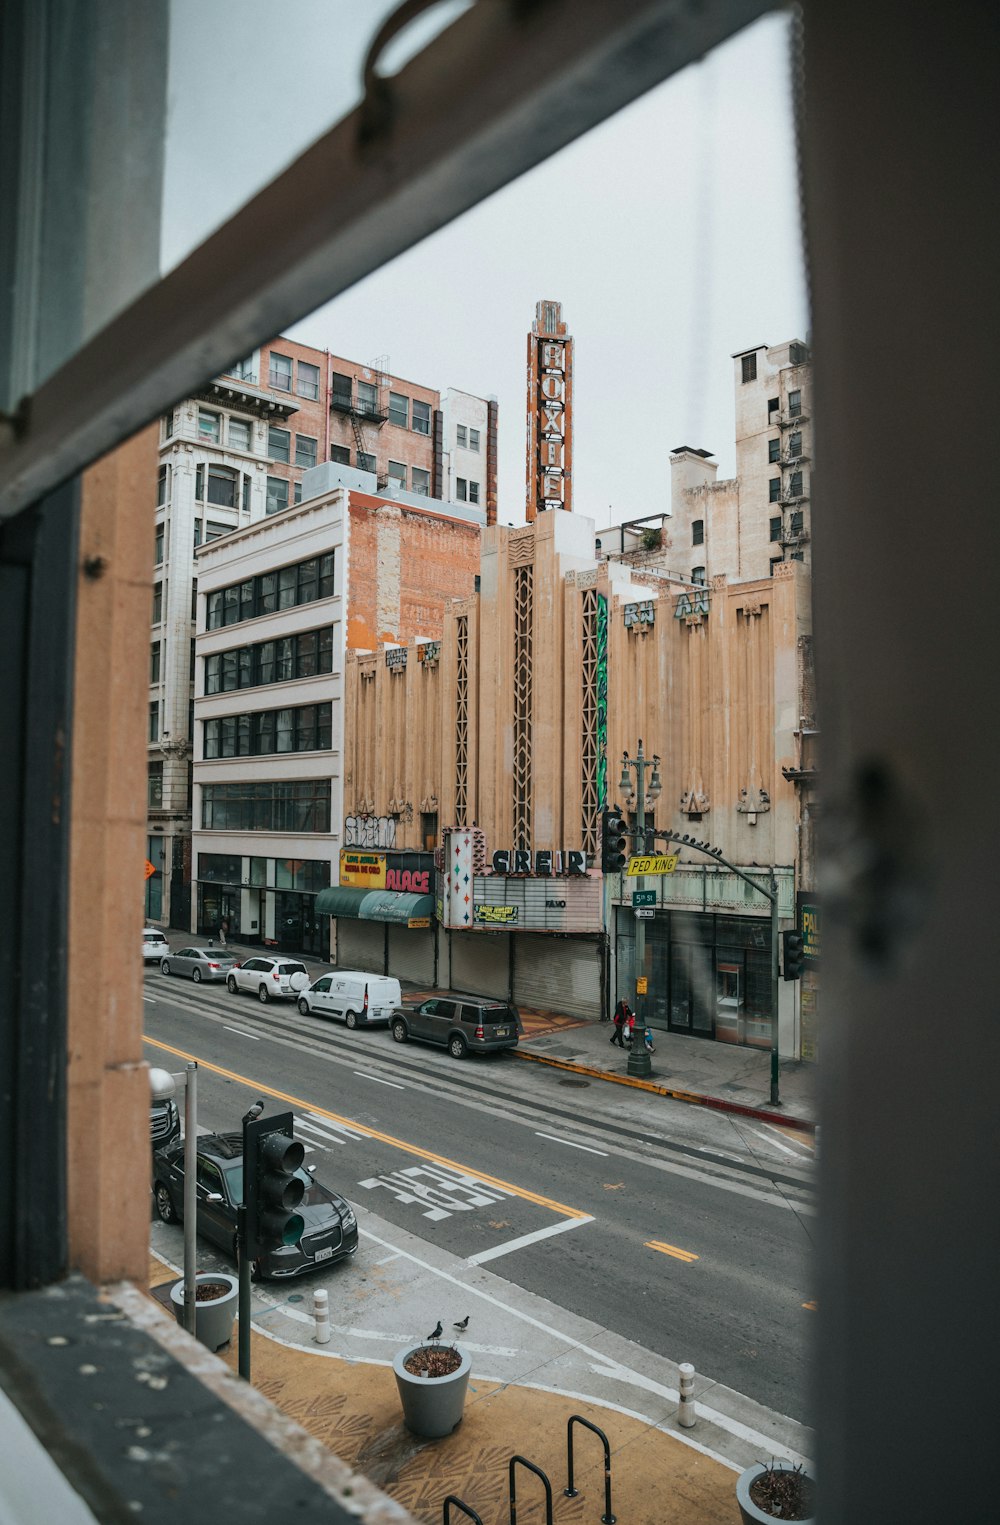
x=411, y=954
x=361, y=945
x=561, y=974
x=480, y=963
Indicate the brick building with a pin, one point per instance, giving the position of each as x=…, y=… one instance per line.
x=237, y=452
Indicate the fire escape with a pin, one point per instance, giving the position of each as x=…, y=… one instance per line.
x=365, y=401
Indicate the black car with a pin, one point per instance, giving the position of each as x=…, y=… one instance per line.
x=164, y=1122
x=461, y=1024
x=331, y=1228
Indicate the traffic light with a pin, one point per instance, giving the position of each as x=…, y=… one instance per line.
x=614, y=843
x=271, y=1189
x=793, y=954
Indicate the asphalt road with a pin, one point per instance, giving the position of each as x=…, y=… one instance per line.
x=685, y=1231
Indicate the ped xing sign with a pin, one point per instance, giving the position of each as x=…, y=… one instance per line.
x=656, y=863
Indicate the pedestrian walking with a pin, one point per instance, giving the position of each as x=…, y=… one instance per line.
x=223, y=931
x=620, y=1018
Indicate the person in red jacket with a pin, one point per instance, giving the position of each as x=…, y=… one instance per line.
x=621, y=1018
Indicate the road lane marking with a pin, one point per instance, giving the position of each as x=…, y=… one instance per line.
x=519, y=1244
x=775, y=1143
x=570, y=1145
x=242, y=1032
x=672, y=1249
x=151, y=999
x=331, y=1132
x=302, y=1105
x=363, y=1074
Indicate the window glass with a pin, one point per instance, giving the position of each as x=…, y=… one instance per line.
x=228, y=741
x=208, y=425
x=199, y=482
x=248, y=604
x=157, y=603
x=264, y=732
x=397, y=472
x=326, y=575
x=211, y=735
x=240, y=433
x=774, y=489
x=285, y=731
x=214, y=607
x=280, y=372
x=288, y=583
x=698, y=575
x=473, y=439
x=154, y=720
x=308, y=380
x=222, y=486
x=308, y=580
x=773, y=449
x=749, y=368
x=421, y=417
x=305, y=728
x=154, y=662
x=698, y=532
x=306, y=665
x=284, y=657
x=230, y=671
x=154, y=786
x=473, y=492
x=365, y=462
x=324, y=725
x=342, y=390
x=420, y=481
x=279, y=444
x=797, y=518
x=245, y=665
x=277, y=495
x=213, y=674
x=461, y=436
x=267, y=600
x=161, y=487
x=795, y=484
x=231, y=601
x=775, y=529
x=265, y=662
x=795, y=403
x=399, y=409
x=367, y=397
x=247, y=483
x=461, y=489
x=340, y=454
x=795, y=443
x=158, y=545
x=324, y=655
x=197, y=533
x=305, y=450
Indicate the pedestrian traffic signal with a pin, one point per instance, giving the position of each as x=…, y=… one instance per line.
x=271, y=1189
x=793, y=954
x=614, y=843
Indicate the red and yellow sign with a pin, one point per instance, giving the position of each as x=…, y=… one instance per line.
x=364, y=871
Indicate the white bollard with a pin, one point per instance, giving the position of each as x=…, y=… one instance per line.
x=686, y=1411
x=321, y=1313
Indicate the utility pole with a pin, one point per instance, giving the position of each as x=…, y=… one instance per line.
x=638, y=1059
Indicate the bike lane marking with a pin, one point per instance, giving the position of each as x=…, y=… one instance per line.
x=575, y=1213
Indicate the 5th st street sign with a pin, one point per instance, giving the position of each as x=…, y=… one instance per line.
x=657, y=863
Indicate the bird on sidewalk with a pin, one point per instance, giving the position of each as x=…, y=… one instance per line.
x=435, y=1333
x=462, y=1324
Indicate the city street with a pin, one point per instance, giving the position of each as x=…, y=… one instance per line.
x=683, y=1231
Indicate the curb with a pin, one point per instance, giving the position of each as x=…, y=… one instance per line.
x=715, y=1103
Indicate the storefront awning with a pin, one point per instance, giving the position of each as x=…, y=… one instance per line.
x=376, y=905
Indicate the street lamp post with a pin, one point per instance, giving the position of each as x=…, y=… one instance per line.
x=638, y=1059
x=771, y=894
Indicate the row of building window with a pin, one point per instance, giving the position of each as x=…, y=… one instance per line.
x=309, y=874
x=795, y=524
x=268, y=805
x=156, y=617
x=466, y=438
x=794, y=487
x=466, y=491
x=407, y=414
x=279, y=661
x=281, y=369
x=794, y=447
x=304, y=728
x=301, y=583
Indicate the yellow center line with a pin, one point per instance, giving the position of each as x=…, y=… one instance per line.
x=383, y=1138
x=671, y=1249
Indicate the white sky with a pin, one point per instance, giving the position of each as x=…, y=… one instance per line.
x=669, y=234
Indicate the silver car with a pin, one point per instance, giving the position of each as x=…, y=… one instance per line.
x=268, y=977
x=199, y=963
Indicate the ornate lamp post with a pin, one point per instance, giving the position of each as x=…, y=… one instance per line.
x=637, y=795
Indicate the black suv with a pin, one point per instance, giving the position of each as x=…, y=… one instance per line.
x=461, y=1024
x=164, y=1123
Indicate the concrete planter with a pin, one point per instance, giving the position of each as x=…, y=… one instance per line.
x=432, y=1406
x=748, y=1509
x=213, y=1321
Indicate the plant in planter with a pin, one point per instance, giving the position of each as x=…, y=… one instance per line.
x=215, y=1297
x=432, y=1380
x=779, y=1490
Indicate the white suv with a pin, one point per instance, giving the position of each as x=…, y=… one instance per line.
x=270, y=977
x=154, y=945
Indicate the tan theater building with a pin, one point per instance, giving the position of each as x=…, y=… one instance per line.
x=501, y=742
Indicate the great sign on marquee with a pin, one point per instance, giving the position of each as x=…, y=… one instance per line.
x=542, y=864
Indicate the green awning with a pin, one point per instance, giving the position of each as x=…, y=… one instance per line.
x=376, y=905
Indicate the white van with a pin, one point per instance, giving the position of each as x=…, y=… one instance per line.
x=357, y=998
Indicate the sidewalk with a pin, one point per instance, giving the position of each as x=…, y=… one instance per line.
x=534, y=1365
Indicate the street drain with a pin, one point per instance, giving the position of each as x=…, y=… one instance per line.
x=573, y=1081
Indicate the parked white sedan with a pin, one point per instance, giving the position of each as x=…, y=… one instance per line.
x=269, y=977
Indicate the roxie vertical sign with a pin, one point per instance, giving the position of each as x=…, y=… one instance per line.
x=550, y=412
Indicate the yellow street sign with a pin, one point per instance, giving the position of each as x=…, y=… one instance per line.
x=640, y=984
x=658, y=863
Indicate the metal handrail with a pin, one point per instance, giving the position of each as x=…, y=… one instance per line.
x=512, y=1502
x=607, y=1518
x=453, y=1498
